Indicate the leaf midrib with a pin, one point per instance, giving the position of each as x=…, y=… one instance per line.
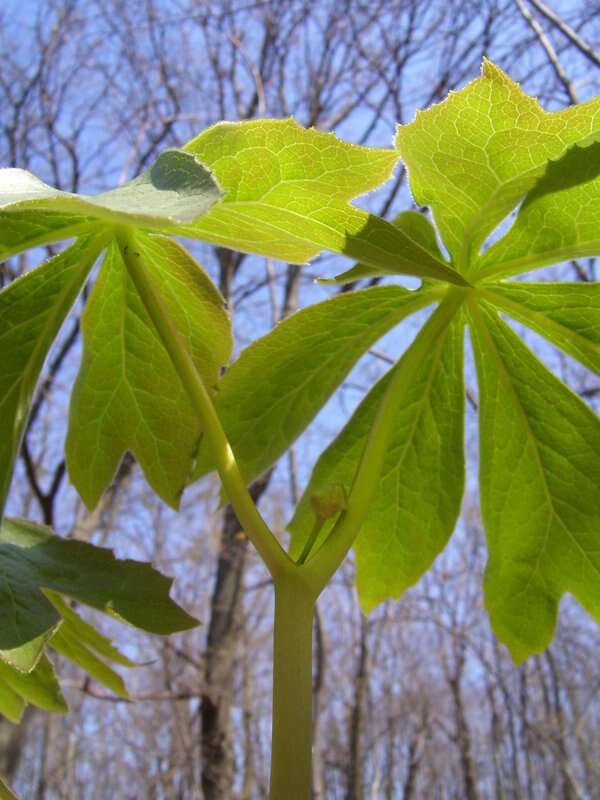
x=527, y=263
x=417, y=417
x=237, y=208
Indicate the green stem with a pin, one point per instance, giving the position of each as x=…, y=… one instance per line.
x=319, y=522
x=330, y=555
x=253, y=524
x=292, y=689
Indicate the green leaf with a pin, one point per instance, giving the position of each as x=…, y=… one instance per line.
x=65, y=643
x=475, y=155
x=540, y=489
x=38, y=687
x=557, y=221
x=422, y=481
x=279, y=383
x=81, y=643
x=567, y=314
x=21, y=230
x=32, y=559
x=32, y=310
x=177, y=188
x=414, y=225
x=11, y=705
x=85, y=633
x=127, y=395
x=287, y=191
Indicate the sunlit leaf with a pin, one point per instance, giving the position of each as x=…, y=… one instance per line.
x=287, y=192
x=540, y=489
x=472, y=157
x=127, y=395
x=279, y=383
x=32, y=310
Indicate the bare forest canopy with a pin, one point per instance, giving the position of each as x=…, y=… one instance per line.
x=419, y=699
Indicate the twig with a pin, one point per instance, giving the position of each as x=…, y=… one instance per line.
x=567, y=31
x=550, y=51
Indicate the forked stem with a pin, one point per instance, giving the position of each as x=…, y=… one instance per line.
x=297, y=586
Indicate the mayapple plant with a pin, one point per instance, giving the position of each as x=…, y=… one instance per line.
x=156, y=335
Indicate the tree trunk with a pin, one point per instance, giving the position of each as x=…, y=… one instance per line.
x=463, y=736
x=318, y=781
x=355, y=789
x=13, y=739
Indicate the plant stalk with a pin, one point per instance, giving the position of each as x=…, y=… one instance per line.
x=267, y=546
x=292, y=689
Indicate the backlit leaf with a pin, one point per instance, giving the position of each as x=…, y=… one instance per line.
x=422, y=481
x=21, y=230
x=32, y=310
x=177, y=188
x=567, y=314
x=472, y=157
x=414, y=225
x=39, y=686
x=127, y=395
x=559, y=218
x=82, y=644
x=287, y=192
x=540, y=489
x=279, y=383
x=12, y=705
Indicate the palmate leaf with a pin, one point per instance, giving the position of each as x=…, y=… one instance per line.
x=286, y=195
x=472, y=159
x=177, y=188
x=32, y=560
x=127, y=395
x=475, y=155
